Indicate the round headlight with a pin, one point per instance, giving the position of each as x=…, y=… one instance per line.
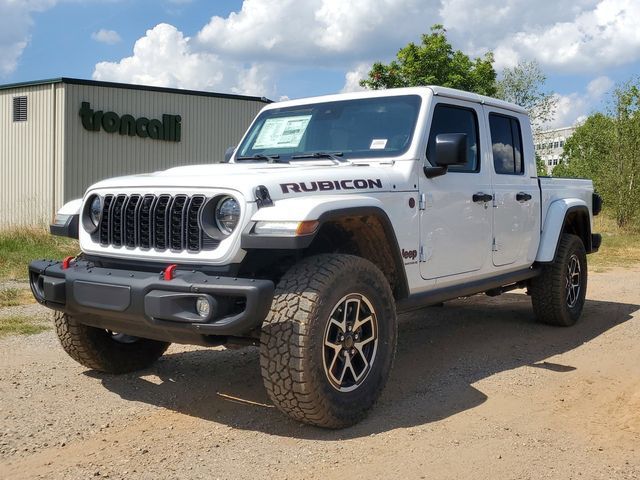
x=95, y=210
x=227, y=214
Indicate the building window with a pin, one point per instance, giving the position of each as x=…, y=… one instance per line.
x=561, y=143
x=555, y=161
x=549, y=162
x=555, y=144
x=19, y=109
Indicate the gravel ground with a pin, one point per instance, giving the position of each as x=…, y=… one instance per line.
x=478, y=391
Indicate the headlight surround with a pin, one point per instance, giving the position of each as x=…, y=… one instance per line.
x=92, y=213
x=95, y=210
x=227, y=214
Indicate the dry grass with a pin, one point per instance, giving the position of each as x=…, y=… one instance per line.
x=11, y=297
x=620, y=247
x=19, y=246
x=21, y=325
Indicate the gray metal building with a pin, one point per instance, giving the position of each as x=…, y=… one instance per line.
x=59, y=136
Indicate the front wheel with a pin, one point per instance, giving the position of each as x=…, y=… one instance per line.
x=558, y=293
x=103, y=350
x=329, y=341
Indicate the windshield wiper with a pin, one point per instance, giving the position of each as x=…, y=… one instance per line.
x=335, y=156
x=262, y=156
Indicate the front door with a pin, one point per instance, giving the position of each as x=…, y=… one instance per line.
x=456, y=221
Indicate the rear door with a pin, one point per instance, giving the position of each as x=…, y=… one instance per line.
x=516, y=212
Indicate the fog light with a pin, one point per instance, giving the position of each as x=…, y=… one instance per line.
x=203, y=307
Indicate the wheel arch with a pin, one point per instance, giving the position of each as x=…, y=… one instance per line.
x=360, y=228
x=564, y=216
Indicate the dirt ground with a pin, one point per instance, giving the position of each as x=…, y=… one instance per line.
x=478, y=391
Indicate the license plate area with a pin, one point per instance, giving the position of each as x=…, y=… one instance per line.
x=104, y=296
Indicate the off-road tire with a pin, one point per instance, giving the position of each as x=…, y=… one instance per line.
x=97, y=349
x=292, y=341
x=549, y=289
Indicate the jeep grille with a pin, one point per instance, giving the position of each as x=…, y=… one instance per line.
x=161, y=222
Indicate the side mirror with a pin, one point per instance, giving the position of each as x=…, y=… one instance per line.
x=228, y=153
x=450, y=149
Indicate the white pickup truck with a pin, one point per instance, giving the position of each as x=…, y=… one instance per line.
x=331, y=216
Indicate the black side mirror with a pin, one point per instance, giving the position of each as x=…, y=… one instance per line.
x=228, y=153
x=450, y=149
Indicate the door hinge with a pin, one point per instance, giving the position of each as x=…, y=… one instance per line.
x=422, y=257
x=494, y=246
x=422, y=202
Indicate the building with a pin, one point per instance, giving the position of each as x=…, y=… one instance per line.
x=549, y=145
x=59, y=136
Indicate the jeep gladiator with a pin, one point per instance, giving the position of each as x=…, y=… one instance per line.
x=331, y=216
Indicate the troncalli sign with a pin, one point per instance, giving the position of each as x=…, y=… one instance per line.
x=169, y=128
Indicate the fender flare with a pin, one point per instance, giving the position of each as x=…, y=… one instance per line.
x=323, y=210
x=554, y=223
x=67, y=220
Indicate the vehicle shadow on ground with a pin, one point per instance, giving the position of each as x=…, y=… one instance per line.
x=442, y=351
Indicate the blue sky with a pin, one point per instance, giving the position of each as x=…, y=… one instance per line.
x=293, y=48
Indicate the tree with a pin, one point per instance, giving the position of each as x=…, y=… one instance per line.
x=524, y=86
x=586, y=152
x=606, y=148
x=541, y=168
x=622, y=177
x=434, y=62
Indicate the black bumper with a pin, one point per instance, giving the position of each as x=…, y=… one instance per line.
x=143, y=304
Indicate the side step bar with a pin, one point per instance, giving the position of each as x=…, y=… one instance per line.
x=493, y=285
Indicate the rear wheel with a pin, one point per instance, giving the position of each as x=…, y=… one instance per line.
x=558, y=294
x=329, y=341
x=104, y=350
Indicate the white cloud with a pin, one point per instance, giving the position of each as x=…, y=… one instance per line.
x=332, y=30
x=250, y=49
x=110, y=37
x=592, y=35
x=15, y=24
x=352, y=78
x=164, y=57
x=575, y=107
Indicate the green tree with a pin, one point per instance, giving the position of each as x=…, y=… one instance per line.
x=541, y=168
x=622, y=177
x=606, y=148
x=434, y=62
x=524, y=86
x=586, y=152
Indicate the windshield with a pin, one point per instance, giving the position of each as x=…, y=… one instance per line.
x=370, y=127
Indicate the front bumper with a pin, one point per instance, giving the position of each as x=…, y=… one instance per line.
x=143, y=304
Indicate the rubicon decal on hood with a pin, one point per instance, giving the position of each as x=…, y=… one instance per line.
x=325, y=185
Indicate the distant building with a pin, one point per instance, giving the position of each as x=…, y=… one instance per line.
x=549, y=145
x=59, y=136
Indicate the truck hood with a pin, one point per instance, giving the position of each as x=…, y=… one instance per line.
x=282, y=180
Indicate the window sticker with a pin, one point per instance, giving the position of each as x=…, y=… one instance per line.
x=282, y=132
x=378, y=144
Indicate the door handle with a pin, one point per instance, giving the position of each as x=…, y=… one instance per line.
x=482, y=197
x=523, y=197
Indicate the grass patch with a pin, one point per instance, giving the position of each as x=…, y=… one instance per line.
x=620, y=247
x=19, y=246
x=21, y=325
x=11, y=297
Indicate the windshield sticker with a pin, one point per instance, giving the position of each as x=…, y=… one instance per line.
x=378, y=144
x=283, y=132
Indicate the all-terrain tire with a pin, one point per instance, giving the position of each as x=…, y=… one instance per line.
x=294, y=355
x=101, y=350
x=553, y=304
